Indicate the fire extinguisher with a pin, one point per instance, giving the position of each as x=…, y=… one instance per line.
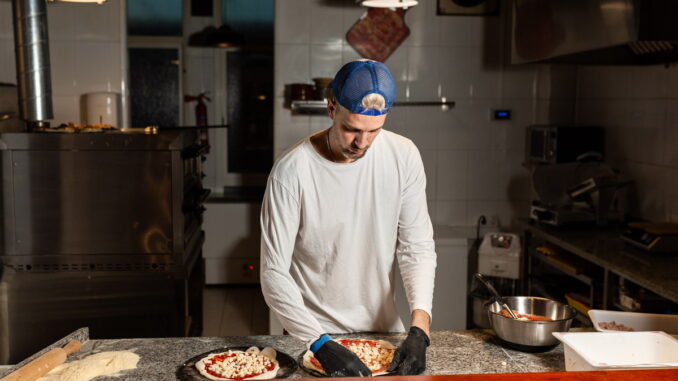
x=200, y=115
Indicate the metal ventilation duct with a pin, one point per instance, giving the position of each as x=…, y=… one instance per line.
x=590, y=32
x=32, y=61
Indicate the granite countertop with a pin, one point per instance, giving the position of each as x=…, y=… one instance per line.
x=603, y=247
x=451, y=352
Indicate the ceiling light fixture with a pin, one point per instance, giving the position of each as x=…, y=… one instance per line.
x=389, y=3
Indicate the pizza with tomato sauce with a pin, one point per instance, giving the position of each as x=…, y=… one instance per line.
x=376, y=354
x=252, y=364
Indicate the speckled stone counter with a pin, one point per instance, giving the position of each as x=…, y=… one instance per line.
x=451, y=352
x=603, y=247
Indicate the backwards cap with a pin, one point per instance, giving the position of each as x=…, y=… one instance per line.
x=357, y=79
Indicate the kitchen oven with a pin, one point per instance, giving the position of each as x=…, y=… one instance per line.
x=101, y=230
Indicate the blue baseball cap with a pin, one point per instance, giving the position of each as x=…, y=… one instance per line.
x=357, y=79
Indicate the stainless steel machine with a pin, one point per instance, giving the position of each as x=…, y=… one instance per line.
x=575, y=193
x=100, y=230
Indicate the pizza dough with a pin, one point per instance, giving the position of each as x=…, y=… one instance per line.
x=238, y=364
x=99, y=364
x=376, y=354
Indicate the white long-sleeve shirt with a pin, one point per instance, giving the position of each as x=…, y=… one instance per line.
x=330, y=232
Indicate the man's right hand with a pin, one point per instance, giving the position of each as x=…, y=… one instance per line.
x=340, y=362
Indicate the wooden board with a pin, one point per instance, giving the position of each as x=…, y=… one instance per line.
x=378, y=33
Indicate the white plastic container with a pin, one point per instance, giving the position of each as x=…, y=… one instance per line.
x=590, y=351
x=102, y=108
x=636, y=320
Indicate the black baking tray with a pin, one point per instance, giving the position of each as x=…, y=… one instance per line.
x=188, y=372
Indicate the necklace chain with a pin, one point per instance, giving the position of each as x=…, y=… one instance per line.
x=329, y=147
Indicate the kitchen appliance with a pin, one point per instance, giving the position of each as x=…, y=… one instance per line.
x=101, y=230
x=530, y=335
x=560, y=144
x=497, y=297
x=655, y=237
x=576, y=193
x=597, y=351
x=102, y=108
x=499, y=255
x=478, y=294
x=602, y=32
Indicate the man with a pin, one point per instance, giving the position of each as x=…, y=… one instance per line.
x=337, y=207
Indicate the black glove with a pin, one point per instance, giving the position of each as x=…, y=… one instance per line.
x=340, y=362
x=410, y=357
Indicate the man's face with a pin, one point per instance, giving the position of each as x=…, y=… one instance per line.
x=352, y=134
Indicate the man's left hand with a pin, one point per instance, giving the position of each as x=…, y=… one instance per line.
x=410, y=357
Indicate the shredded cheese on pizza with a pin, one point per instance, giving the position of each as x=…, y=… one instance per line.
x=376, y=356
x=236, y=365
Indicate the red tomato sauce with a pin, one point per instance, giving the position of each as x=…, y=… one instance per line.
x=315, y=362
x=531, y=317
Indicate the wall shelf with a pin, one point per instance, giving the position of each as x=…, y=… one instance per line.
x=320, y=107
x=598, y=263
x=544, y=259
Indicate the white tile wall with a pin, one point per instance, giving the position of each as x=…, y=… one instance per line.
x=7, y=62
x=473, y=165
x=98, y=22
x=451, y=172
x=637, y=105
x=326, y=24
x=292, y=65
x=324, y=58
x=6, y=20
x=85, y=52
x=293, y=21
x=424, y=25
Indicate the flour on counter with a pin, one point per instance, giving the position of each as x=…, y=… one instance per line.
x=99, y=364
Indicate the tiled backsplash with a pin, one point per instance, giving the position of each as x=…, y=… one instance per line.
x=638, y=106
x=85, y=52
x=473, y=165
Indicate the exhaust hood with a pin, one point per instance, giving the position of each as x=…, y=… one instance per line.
x=595, y=32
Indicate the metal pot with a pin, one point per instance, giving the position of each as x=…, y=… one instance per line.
x=526, y=332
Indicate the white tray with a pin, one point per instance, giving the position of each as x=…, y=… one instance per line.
x=590, y=351
x=636, y=320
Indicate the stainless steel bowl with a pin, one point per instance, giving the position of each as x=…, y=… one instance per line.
x=526, y=332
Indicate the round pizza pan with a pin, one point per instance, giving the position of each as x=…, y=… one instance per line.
x=188, y=372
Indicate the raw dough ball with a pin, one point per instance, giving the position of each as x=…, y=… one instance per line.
x=99, y=364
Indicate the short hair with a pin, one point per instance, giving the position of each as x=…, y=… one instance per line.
x=372, y=101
